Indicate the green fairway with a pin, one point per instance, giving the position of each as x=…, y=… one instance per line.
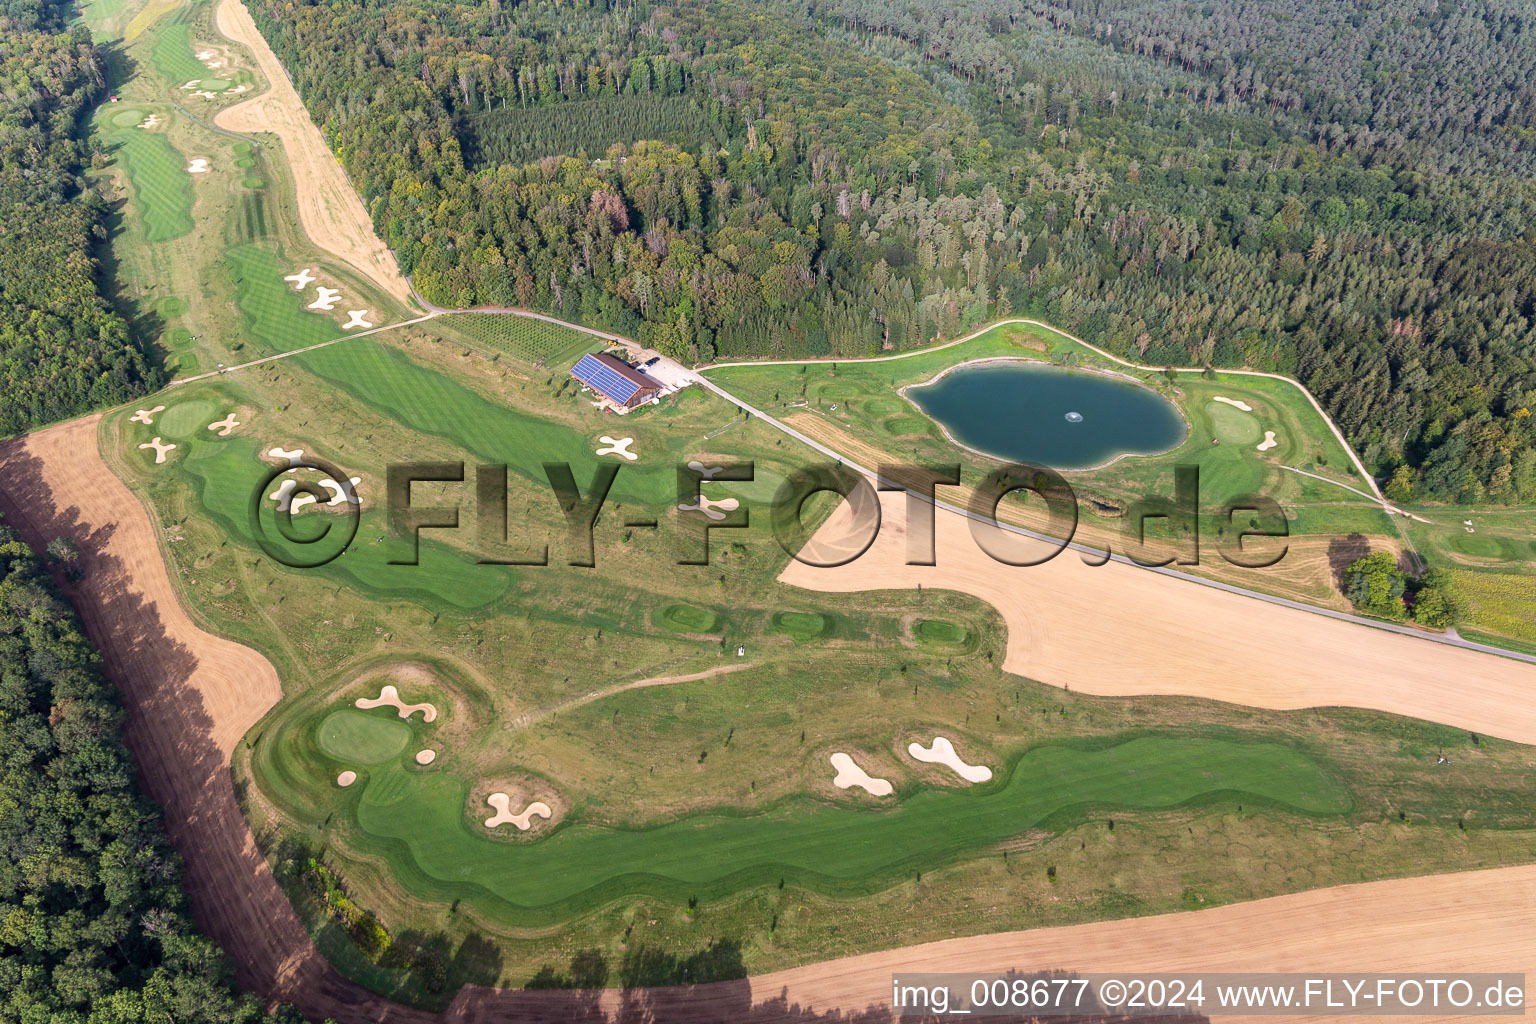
x=173, y=56
x=420, y=821
x=274, y=313
x=157, y=173
x=1231, y=425
x=354, y=737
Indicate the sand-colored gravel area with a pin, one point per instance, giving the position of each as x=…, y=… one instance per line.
x=1120, y=630
x=330, y=211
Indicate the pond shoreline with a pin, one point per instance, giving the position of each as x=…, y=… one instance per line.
x=1028, y=361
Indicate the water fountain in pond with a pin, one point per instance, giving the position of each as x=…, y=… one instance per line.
x=1074, y=417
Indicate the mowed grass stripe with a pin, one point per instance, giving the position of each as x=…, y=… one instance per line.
x=158, y=174
x=421, y=825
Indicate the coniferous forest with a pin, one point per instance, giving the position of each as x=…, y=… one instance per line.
x=63, y=349
x=1334, y=190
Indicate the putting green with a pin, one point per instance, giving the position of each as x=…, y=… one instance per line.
x=940, y=631
x=883, y=406
x=179, y=338
x=802, y=625
x=127, y=118
x=171, y=305
x=354, y=737
x=245, y=163
x=185, y=419
x=838, y=391
x=418, y=822
x=1478, y=545
x=1232, y=425
x=906, y=426
x=253, y=182
x=685, y=618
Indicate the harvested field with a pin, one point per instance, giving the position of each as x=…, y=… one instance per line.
x=1117, y=630
x=192, y=696
x=332, y=215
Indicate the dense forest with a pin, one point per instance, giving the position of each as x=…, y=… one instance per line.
x=1335, y=190
x=63, y=349
x=93, y=922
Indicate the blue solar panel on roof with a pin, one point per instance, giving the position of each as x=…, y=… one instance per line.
x=605, y=379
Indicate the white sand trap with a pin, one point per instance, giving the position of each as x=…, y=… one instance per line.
x=389, y=696
x=204, y=54
x=286, y=502
x=342, y=492
x=346, y=779
x=161, y=450
x=301, y=280
x=193, y=84
x=206, y=95
x=294, y=457
x=150, y=121
x=239, y=88
x=143, y=415
x=355, y=319
x=501, y=804
x=708, y=472
x=619, y=446
x=327, y=299
x=943, y=752
x=850, y=774
x=426, y=756
x=708, y=506
x=215, y=63
x=1234, y=402
x=199, y=165
x=1268, y=442
x=225, y=425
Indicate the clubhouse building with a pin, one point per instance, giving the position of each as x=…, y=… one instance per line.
x=614, y=380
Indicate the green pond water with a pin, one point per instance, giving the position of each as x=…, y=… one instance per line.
x=1050, y=416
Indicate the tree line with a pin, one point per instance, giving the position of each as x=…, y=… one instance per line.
x=63, y=348
x=848, y=177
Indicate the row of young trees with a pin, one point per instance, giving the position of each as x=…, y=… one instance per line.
x=63, y=349
x=859, y=176
x=94, y=926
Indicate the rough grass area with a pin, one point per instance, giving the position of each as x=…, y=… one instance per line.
x=532, y=341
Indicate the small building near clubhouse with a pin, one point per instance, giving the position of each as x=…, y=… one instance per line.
x=614, y=380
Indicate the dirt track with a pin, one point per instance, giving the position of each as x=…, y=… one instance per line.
x=1118, y=630
x=332, y=215
x=191, y=696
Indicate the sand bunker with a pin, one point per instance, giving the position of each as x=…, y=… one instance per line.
x=850, y=774
x=161, y=450
x=426, y=756
x=239, y=88
x=225, y=425
x=199, y=165
x=346, y=779
x=1268, y=442
x=708, y=506
x=617, y=447
x=708, y=472
x=294, y=457
x=390, y=697
x=205, y=94
x=193, y=84
x=204, y=54
x=327, y=299
x=215, y=63
x=143, y=415
x=501, y=804
x=286, y=502
x=943, y=752
x=1234, y=402
x=355, y=319
x=150, y=121
x=301, y=280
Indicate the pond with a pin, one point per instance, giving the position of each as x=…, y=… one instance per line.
x=1048, y=415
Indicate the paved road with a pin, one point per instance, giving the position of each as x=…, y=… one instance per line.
x=1451, y=638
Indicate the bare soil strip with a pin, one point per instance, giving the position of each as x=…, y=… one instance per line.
x=332, y=214
x=1118, y=630
x=191, y=696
